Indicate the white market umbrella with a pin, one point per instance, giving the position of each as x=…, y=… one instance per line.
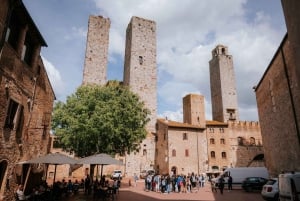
x=100, y=159
x=52, y=159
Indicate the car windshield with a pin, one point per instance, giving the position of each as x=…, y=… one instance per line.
x=271, y=182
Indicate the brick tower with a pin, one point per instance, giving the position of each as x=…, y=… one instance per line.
x=222, y=85
x=140, y=64
x=193, y=110
x=96, y=54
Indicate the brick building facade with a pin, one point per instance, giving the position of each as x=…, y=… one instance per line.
x=278, y=99
x=26, y=99
x=208, y=147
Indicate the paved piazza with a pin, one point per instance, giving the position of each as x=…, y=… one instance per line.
x=131, y=193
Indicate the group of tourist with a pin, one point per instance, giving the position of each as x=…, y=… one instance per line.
x=64, y=188
x=174, y=183
x=184, y=183
x=38, y=193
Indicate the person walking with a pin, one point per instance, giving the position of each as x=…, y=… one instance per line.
x=221, y=184
x=135, y=178
x=202, y=180
x=87, y=185
x=229, y=183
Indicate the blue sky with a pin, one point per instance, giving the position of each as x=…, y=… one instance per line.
x=187, y=31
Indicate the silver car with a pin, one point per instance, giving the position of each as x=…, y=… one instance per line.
x=270, y=190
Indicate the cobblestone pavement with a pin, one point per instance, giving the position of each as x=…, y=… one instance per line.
x=204, y=194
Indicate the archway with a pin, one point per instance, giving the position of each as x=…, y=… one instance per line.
x=174, y=170
x=259, y=157
x=257, y=160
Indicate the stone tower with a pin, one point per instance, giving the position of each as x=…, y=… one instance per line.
x=193, y=110
x=222, y=85
x=96, y=54
x=140, y=64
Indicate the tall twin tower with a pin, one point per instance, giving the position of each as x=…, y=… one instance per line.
x=140, y=70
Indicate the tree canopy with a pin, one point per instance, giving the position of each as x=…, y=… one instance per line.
x=100, y=119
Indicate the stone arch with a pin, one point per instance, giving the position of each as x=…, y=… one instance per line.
x=240, y=141
x=252, y=141
x=174, y=170
x=259, y=157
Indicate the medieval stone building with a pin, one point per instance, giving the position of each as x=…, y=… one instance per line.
x=220, y=143
x=26, y=98
x=139, y=75
x=209, y=146
x=278, y=99
x=96, y=54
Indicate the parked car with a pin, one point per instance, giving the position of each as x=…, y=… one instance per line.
x=253, y=183
x=239, y=174
x=270, y=190
x=117, y=174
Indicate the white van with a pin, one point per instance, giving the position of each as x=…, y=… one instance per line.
x=289, y=186
x=239, y=174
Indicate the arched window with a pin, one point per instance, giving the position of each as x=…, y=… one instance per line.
x=252, y=141
x=223, y=154
x=240, y=141
x=173, y=152
x=212, y=141
x=212, y=154
x=222, y=141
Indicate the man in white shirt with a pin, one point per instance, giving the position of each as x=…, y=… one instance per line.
x=20, y=193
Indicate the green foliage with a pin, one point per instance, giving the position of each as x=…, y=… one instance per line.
x=108, y=119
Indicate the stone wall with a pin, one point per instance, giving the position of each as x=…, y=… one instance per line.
x=96, y=55
x=277, y=96
x=180, y=147
x=26, y=103
x=140, y=64
x=223, y=87
x=141, y=76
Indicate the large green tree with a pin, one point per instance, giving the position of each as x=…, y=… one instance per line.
x=100, y=119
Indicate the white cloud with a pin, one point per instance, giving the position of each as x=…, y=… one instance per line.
x=187, y=31
x=172, y=115
x=54, y=77
x=77, y=32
